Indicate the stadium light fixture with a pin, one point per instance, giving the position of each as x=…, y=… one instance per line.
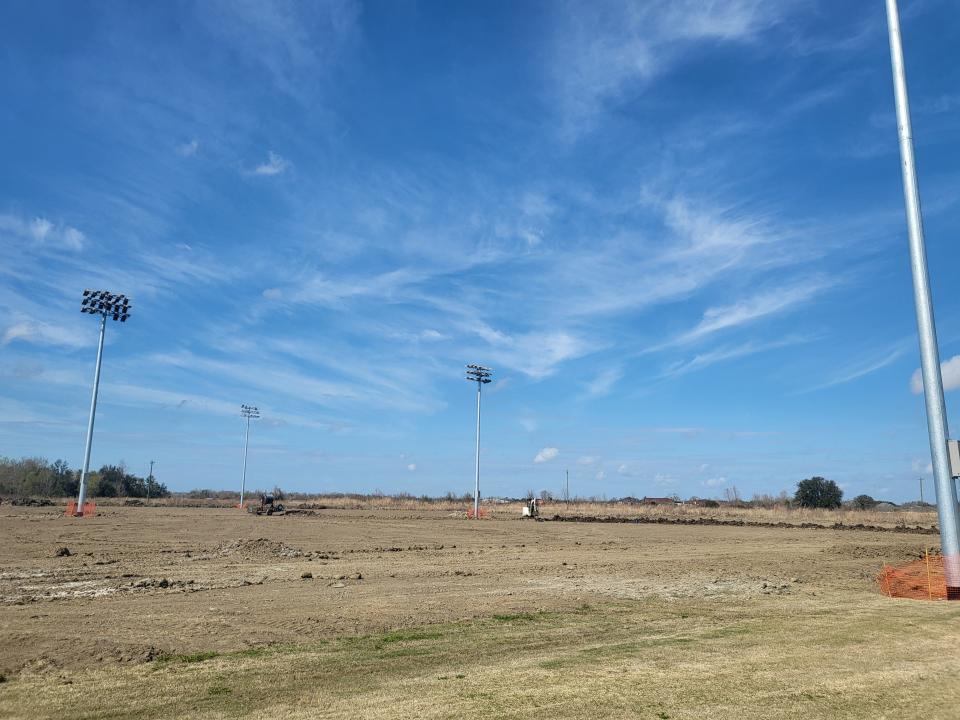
x=481, y=376
x=105, y=304
x=250, y=413
x=927, y=331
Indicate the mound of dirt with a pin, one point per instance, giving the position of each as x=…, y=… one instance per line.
x=32, y=502
x=660, y=520
x=260, y=548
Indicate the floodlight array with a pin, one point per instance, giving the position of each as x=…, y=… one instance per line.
x=249, y=411
x=479, y=373
x=107, y=304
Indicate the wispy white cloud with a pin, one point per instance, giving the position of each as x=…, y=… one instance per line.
x=701, y=244
x=189, y=148
x=538, y=354
x=42, y=333
x=605, y=49
x=40, y=228
x=298, y=383
x=603, y=383
x=546, y=454
x=274, y=165
x=943, y=103
x=704, y=360
x=292, y=42
x=918, y=465
x=664, y=479
x=949, y=371
x=865, y=366
x=753, y=308
x=43, y=232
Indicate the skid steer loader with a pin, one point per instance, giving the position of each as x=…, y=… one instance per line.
x=266, y=506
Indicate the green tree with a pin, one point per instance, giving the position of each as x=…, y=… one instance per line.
x=818, y=492
x=156, y=489
x=109, y=482
x=65, y=481
x=863, y=502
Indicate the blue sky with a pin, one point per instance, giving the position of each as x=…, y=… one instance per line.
x=674, y=229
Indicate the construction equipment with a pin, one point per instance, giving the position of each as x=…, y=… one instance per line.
x=267, y=506
x=531, y=508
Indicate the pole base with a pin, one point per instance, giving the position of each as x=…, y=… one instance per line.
x=89, y=509
x=953, y=593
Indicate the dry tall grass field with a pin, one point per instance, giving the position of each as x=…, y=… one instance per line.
x=420, y=613
x=926, y=517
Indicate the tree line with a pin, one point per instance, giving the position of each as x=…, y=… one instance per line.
x=40, y=477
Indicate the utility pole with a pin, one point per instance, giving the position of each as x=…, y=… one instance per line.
x=150, y=480
x=102, y=303
x=566, y=490
x=481, y=376
x=926, y=327
x=247, y=411
x=921, y=489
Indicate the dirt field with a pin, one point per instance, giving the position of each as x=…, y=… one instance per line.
x=173, y=612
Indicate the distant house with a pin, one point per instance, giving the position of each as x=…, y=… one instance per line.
x=658, y=501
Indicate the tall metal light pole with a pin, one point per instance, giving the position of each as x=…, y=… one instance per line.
x=929, y=352
x=150, y=479
x=247, y=411
x=104, y=304
x=481, y=376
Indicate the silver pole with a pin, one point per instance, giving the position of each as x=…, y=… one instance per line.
x=476, y=490
x=929, y=353
x=246, y=443
x=81, y=498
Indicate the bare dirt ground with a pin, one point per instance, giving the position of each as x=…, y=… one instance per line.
x=143, y=584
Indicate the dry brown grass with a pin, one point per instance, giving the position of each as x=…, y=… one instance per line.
x=454, y=618
x=846, y=657
x=791, y=516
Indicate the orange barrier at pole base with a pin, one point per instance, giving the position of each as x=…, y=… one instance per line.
x=920, y=579
x=483, y=514
x=89, y=509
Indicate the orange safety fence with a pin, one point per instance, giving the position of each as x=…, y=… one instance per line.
x=483, y=513
x=921, y=579
x=89, y=509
